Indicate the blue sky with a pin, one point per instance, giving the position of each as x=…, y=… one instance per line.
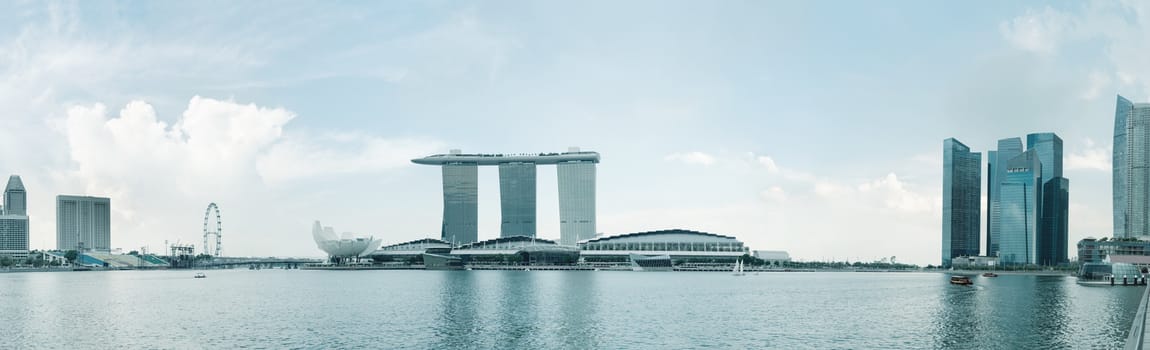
x=812, y=127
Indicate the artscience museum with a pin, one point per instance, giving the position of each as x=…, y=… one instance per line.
x=343, y=247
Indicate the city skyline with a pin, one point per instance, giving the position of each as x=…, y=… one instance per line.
x=764, y=121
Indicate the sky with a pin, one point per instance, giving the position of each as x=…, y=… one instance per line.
x=814, y=127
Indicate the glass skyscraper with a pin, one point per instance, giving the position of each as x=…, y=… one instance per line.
x=576, y=201
x=1053, y=209
x=83, y=223
x=1131, y=169
x=996, y=171
x=517, y=199
x=460, y=203
x=1020, y=193
x=961, y=191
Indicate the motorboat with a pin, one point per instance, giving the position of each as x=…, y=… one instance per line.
x=960, y=280
x=990, y=274
x=201, y=275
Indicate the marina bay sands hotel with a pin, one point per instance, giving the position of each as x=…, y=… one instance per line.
x=576, y=171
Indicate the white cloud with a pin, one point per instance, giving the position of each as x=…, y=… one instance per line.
x=217, y=150
x=1041, y=31
x=1089, y=157
x=895, y=195
x=768, y=163
x=692, y=158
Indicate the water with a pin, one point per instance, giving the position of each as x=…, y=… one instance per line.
x=555, y=310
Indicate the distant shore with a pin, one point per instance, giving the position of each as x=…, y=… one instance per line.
x=1023, y=272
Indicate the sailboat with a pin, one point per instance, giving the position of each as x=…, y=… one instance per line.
x=738, y=271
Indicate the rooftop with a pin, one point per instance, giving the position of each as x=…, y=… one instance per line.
x=495, y=159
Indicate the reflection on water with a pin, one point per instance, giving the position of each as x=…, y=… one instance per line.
x=1034, y=312
x=556, y=310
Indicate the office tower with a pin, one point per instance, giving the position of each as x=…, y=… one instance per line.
x=15, y=199
x=576, y=201
x=1021, y=191
x=14, y=220
x=996, y=172
x=1053, y=209
x=83, y=223
x=1131, y=169
x=460, y=203
x=961, y=192
x=517, y=192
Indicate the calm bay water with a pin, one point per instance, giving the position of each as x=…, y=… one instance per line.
x=555, y=310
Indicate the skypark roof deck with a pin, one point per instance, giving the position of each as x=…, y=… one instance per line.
x=496, y=159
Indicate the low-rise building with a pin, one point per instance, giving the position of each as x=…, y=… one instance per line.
x=773, y=257
x=974, y=261
x=683, y=246
x=1091, y=250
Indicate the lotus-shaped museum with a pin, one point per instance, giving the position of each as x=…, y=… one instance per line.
x=347, y=245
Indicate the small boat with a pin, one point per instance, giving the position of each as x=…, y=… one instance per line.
x=990, y=274
x=960, y=280
x=201, y=275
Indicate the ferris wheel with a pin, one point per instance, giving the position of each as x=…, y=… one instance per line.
x=212, y=230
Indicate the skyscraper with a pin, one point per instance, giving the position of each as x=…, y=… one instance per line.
x=1020, y=194
x=83, y=223
x=996, y=172
x=1053, y=209
x=576, y=201
x=15, y=199
x=460, y=202
x=14, y=220
x=961, y=190
x=517, y=199
x=517, y=193
x=1131, y=165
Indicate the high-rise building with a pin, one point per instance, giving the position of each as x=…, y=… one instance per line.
x=1053, y=209
x=961, y=191
x=83, y=223
x=1131, y=169
x=460, y=202
x=14, y=220
x=517, y=199
x=996, y=171
x=15, y=199
x=1021, y=191
x=576, y=201
x=517, y=192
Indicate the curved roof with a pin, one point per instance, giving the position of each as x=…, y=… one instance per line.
x=672, y=235
x=496, y=159
x=508, y=242
x=419, y=243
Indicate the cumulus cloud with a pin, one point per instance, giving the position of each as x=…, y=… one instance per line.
x=894, y=194
x=692, y=158
x=217, y=150
x=1089, y=157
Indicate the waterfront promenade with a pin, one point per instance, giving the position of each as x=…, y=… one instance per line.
x=1136, y=338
